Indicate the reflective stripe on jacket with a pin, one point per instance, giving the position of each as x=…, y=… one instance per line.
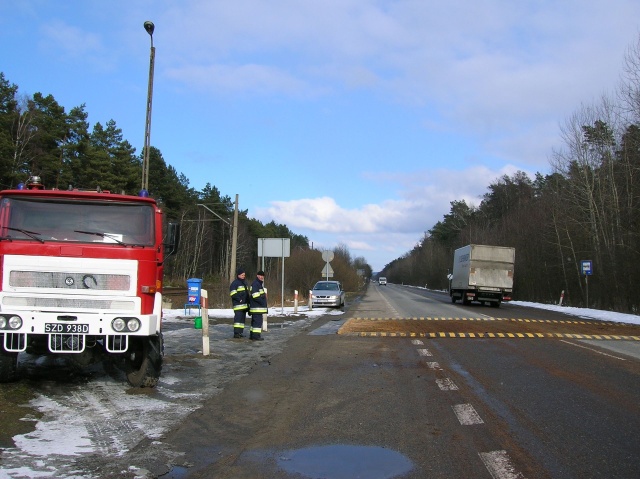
x=258, y=298
x=239, y=292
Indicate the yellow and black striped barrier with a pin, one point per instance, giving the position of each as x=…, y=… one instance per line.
x=493, y=335
x=488, y=327
x=515, y=320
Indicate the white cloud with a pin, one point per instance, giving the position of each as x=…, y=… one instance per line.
x=70, y=40
x=260, y=79
x=384, y=231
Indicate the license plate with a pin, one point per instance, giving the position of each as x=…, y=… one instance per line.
x=66, y=328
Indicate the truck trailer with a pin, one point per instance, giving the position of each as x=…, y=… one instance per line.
x=81, y=276
x=482, y=273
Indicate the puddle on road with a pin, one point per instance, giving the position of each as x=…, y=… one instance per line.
x=176, y=472
x=345, y=462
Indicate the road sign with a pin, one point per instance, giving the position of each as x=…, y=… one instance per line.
x=274, y=247
x=327, y=255
x=327, y=271
x=586, y=266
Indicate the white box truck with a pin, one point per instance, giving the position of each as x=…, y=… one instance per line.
x=482, y=273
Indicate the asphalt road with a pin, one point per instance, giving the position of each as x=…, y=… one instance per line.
x=389, y=402
x=344, y=406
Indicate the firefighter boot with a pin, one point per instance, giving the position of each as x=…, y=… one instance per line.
x=256, y=337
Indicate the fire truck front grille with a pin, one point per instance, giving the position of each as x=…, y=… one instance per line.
x=69, y=281
x=68, y=303
x=66, y=343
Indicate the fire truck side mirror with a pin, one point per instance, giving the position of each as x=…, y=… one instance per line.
x=173, y=238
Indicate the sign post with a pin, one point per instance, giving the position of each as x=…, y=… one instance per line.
x=586, y=266
x=275, y=248
x=327, y=271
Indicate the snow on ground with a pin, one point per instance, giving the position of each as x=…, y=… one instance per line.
x=585, y=312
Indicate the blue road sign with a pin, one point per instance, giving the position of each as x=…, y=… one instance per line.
x=586, y=266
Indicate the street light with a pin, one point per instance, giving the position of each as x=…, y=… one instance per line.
x=149, y=27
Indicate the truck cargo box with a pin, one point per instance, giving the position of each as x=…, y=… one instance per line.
x=482, y=273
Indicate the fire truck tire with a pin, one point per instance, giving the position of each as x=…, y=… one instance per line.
x=144, y=362
x=8, y=366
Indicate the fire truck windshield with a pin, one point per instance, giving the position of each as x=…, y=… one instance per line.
x=77, y=220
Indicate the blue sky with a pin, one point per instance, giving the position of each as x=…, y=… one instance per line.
x=353, y=122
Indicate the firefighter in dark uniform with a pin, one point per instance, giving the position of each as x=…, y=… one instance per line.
x=239, y=291
x=257, y=306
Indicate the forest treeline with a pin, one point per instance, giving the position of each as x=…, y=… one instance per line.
x=588, y=208
x=39, y=137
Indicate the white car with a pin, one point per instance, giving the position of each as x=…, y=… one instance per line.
x=382, y=280
x=328, y=293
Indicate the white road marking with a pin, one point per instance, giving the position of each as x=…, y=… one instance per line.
x=393, y=310
x=424, y=352
x=433, y=366
x=467, y=415
x=446, y=384
x=594, y=350
x=499, y=465
x=417, y=342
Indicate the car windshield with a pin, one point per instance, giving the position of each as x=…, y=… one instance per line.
x=81, y=221
x=326, y=286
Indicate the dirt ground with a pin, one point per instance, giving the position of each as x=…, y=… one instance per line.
x=487, y=327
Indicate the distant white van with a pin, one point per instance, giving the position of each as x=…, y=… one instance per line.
x=382, y=280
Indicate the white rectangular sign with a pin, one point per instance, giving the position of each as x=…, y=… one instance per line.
x=274, y=247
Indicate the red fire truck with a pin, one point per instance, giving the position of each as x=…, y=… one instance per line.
x=81, y=276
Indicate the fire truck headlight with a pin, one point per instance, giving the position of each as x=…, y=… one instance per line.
x=15, y=322
x=133, y=324
x=118, y=325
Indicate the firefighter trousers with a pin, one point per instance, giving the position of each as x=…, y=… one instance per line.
x=256, y=326
x=239, y=319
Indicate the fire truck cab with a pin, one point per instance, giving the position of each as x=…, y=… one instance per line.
x=81, y=275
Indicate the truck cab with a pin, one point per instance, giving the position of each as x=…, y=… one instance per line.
x=81, y=275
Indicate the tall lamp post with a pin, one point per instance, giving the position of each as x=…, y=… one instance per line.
x=149, y=27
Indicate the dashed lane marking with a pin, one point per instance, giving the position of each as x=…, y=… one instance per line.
x=467, y=415
x=446, y=384
x=499, y=465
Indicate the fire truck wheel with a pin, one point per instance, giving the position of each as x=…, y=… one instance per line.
x=8, y=366
x=143, y=362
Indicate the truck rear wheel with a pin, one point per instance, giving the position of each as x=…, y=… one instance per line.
x=143, y=362
x=8, y=366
